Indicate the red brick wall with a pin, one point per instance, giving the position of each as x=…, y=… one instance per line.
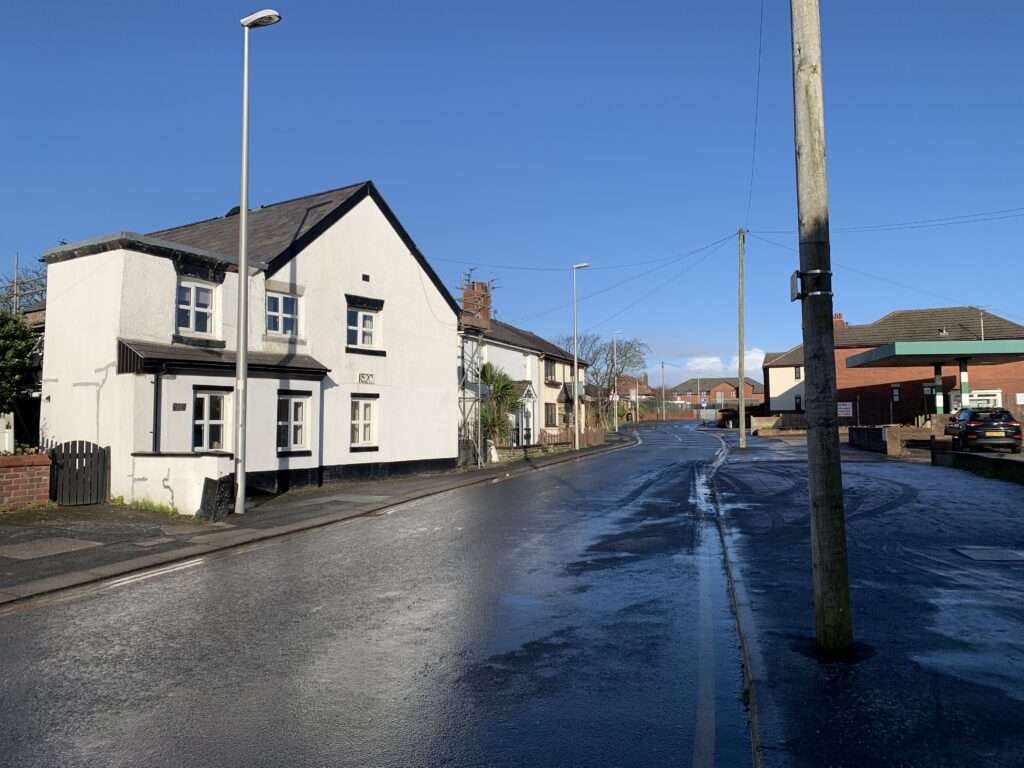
x=875, y=384
x=24, y=481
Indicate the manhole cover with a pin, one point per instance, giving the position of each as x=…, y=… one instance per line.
x=991, y=554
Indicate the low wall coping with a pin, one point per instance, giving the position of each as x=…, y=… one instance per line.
x=25, y=460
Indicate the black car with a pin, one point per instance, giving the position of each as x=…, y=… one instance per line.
x=971, y=427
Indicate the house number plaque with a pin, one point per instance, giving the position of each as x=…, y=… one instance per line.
x=366, y=378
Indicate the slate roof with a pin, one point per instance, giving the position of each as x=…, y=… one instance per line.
x=708, y=383
x=273, y=229
x=523, y=388
x=277, y=233
x=959, y=324
x=517, y=337
x=280, y=231
x=795, y=356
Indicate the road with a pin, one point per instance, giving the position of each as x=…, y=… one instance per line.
x=578, y=615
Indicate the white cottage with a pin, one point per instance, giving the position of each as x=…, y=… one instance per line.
x=352, y=338
x=542, y=371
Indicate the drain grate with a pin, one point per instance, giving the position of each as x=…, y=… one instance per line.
x=991, y=554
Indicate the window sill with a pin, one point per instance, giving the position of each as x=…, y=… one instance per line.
x=283, y=338
x=363, y=448
x=292, y=454
x=365, y=351
x=198, y=341
x=185, y=454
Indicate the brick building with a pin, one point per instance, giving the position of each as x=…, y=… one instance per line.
x=904, y=395
x=716, y=391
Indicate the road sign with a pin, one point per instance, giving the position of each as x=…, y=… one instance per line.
x=703, y=402
x=845, y=409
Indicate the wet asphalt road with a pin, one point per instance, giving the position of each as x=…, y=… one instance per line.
x=577, y=616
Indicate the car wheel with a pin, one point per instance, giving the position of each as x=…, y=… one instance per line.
x=1015, y=449
x=956, y=443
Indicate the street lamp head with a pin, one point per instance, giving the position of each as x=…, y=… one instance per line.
x=263, y=18
x=616, y=333
x=581, y=265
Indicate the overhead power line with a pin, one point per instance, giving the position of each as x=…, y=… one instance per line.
x=944, y=221
x=618, y=284
x=665, y=283
x=941, y=297
x=593, y=267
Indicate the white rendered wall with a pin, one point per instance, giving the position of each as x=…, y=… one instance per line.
x=83, y=398
x=176, y=481
x=520, y=365
x=415, y=381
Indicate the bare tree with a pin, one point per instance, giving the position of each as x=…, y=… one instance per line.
x=24, y=289
x=630, y=359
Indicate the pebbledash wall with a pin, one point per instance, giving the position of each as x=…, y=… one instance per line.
x=97, y=299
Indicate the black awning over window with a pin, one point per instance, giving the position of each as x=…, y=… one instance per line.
x=150, y=357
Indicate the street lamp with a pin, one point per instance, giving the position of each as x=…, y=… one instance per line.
x=263, y=18
x=575, y=364
x=615, y=383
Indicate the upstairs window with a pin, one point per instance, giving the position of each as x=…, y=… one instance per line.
x=282, y=314
x=362, y=325
x=195, y=308
x=549, y=370
x=362, y=330
x=797, y=372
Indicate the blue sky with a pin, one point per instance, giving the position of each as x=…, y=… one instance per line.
x=539, y=134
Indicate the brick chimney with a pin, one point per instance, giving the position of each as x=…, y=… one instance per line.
x=837, y=320
x=476, y=305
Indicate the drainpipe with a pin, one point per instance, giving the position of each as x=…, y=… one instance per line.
x=156, y=407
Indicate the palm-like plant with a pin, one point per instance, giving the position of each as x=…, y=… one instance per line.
x=502, y=398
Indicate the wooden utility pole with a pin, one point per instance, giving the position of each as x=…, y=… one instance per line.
x=833, y=624
x=663, y=390
x=741, y=378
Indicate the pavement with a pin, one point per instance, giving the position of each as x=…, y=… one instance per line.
x=936, y=566
x=48, y=549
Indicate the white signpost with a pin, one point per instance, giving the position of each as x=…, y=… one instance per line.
x=845, y=410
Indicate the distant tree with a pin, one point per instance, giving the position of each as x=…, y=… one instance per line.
x=16, y=342
x=502, y=398
x=630, y=359
x=31, y=288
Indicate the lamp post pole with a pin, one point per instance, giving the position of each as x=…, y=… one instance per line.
x=575, y=364
x=262, y=18
x=615, y=382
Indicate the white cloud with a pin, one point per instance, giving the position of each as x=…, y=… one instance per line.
x=711, y=365
x=705, y=365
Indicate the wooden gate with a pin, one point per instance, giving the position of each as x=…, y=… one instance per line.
x=80, y=473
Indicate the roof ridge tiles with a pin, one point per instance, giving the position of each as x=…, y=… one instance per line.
x=264, y=207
